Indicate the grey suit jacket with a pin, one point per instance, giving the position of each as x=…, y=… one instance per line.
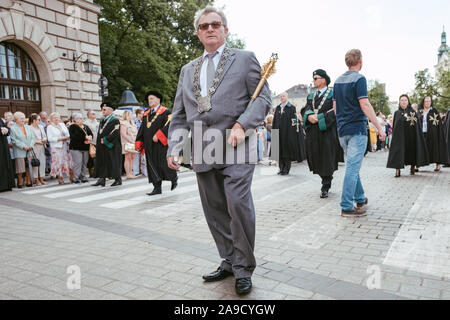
x=230, y=104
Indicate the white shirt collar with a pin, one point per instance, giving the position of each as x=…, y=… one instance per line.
x=220, y=50
x=156, y=109
x=322, y=90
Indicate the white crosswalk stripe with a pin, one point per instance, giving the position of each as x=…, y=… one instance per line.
x=122, y=191
x=141, y=199
x=266, y=185
x=174, y=208
x=89, y=189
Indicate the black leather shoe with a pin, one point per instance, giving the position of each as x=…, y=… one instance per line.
x=84, y=180
x=324, y=194
x=155, y=191
x=217, y=275
x=243, y=286
x=284, y=173
x=100, y=182
x=174, y=185
x=279, y=172
x=117, y=182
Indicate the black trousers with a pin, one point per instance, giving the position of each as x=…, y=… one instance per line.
x=326, y=183
x=158, y=185
x=285, y=165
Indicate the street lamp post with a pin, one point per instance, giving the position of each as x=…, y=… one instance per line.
x=103, y=84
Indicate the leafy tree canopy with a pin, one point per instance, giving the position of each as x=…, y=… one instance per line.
x=378, y=97
x=438, y=89
x=145, y=43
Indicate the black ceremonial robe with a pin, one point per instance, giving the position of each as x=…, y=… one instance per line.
x=6, y=170
x=156, y=152
x=435, y=139
x=289, y=132
x=408, y=145
x=323, y=150
x=446, y=129
x=108, y=163
x=301, y=139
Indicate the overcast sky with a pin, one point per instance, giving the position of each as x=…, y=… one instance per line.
x=397, y=37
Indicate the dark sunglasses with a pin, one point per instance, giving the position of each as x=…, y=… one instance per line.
x=317, y=78
x=205, y=26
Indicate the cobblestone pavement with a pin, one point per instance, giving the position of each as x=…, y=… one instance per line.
x=127, y=245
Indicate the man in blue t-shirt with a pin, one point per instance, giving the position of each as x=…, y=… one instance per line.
x=352, y=108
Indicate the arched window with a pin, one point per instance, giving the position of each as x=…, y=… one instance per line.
x=19, y=81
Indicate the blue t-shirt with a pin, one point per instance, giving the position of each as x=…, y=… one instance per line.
x=348, y=89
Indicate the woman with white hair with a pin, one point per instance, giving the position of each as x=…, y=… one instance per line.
x=40, y=140
x=128, y=132
x=80, y=138
x=58, y=135
x=22, y=138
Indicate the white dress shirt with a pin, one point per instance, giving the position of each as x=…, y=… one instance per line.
x=424, y=121
x=322, y=91
x=203, y=80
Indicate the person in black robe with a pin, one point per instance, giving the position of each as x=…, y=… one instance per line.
x=408, y=145
x=108, y=163
x=446, y=130
x=286, y=121
x=322, y=142
x=301, y=137
x=6, y=170
x=433, y=133
x=152, y=138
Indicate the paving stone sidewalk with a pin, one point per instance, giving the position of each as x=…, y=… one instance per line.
x=158, y=249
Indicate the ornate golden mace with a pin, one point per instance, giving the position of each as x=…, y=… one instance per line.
x=267, y=70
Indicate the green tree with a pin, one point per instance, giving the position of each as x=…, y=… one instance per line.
x=438, y=89
x=425, y=86
x=145, y=43
x=443, y=91
x=378, y=97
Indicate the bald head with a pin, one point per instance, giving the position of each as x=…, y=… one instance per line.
x=284, y=97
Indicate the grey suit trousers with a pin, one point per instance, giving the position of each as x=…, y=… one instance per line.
x=228, y=206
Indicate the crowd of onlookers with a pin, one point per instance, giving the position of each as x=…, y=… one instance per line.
x=45, y=146
x=62, y=145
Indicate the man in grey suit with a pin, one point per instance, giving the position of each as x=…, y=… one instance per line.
x=212, y=101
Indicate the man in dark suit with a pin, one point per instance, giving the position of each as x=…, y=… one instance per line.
x=213, y=97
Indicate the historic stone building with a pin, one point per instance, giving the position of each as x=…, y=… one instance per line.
x=49, y=56
x=297, y=96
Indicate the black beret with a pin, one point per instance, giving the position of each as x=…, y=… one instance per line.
x=322, y=73
x=153, y=93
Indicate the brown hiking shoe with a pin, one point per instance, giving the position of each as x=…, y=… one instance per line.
x=356, y=212
x=360, y=205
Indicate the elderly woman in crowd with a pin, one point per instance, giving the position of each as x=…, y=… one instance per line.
x=128, y=132
x=57, y=135
x=80, y=139
x=92, y=123
x=22, y=138
x=40, y=140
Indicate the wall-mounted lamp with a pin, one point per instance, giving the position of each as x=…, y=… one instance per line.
x=88, y=64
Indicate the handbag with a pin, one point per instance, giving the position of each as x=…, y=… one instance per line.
x=34, y=160
x=129, y=147
x=46, y=145
x=47, y=151
x=92, y=150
